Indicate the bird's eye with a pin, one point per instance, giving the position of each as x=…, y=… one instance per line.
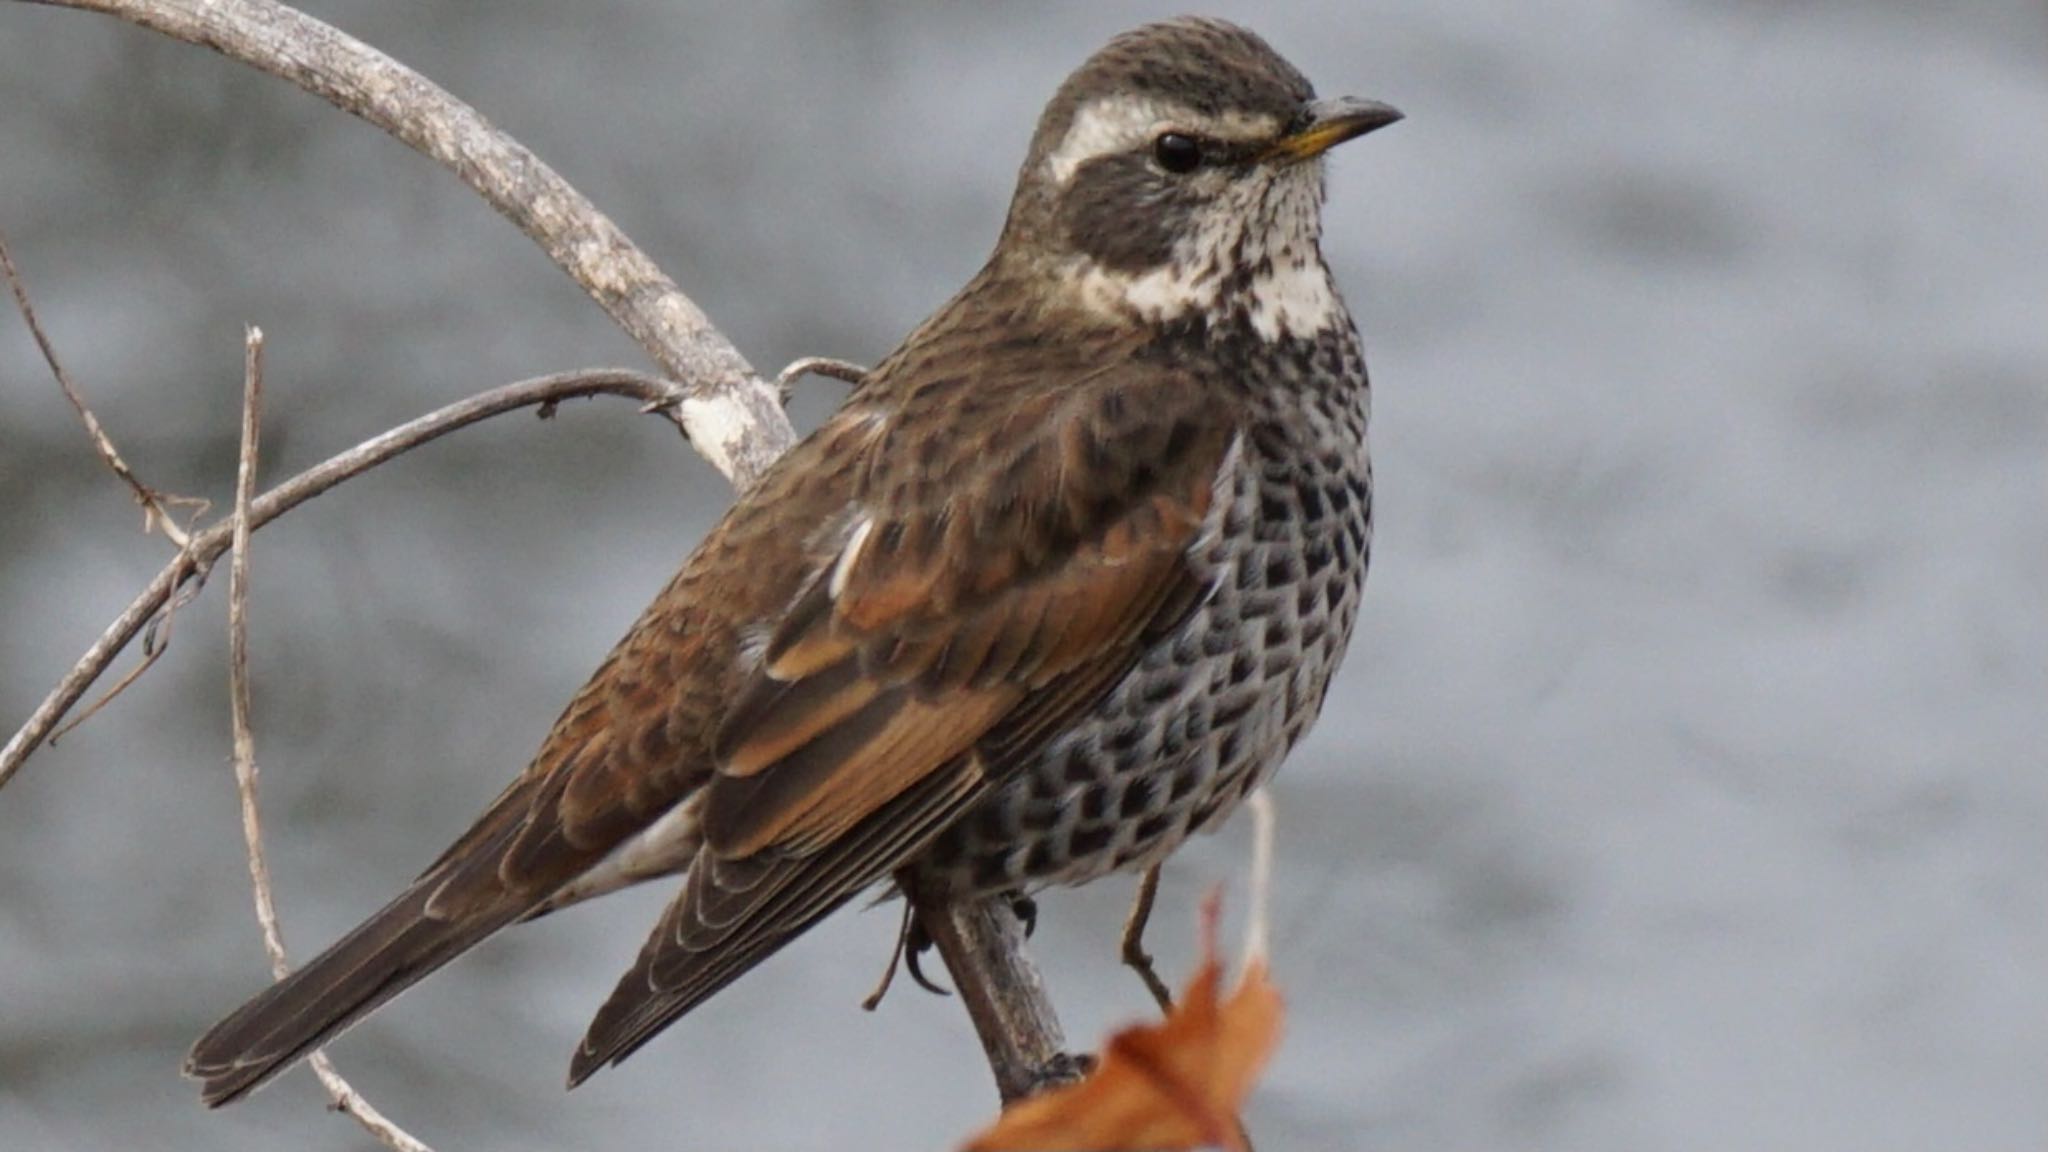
x=1177, y=153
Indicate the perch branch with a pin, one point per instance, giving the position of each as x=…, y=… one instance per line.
x=982, y=943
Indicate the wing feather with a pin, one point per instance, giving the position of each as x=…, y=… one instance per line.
x=902, y=689
x=732, y=914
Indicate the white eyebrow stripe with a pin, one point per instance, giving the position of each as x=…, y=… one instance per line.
x=1120, y=123
x=1112, y=124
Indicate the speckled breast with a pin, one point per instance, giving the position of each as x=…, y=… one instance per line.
x=1207, y=714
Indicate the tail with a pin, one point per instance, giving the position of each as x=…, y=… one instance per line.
x=411, y=937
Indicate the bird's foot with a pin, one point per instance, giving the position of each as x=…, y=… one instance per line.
x=1063, y=1069
x=1025, y=909
x=917, y=942
x=913, y=942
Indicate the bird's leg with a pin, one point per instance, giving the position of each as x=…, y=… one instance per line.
x=914, y=942
x=1134, y=955
x=917, y=942
x=1025, y=909
x=903, y=931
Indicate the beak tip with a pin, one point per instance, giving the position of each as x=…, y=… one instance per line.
x=1364, y=115
x=1324, y=124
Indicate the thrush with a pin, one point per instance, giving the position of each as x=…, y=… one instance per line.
x=1064, y=579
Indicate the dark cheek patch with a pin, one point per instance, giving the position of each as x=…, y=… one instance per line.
x=1124, y=215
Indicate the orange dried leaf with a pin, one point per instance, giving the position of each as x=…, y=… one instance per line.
x=1174, y=1085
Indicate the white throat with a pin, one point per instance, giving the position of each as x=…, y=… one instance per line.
x=1273, y=274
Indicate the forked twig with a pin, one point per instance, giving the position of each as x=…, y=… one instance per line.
x=208, y=545
x=156, y=640
x=345, y=1098
x=155, y=505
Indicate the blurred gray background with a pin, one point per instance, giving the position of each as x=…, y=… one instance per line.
x=1685, y=788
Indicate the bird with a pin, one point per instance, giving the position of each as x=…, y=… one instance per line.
x=1062, y=580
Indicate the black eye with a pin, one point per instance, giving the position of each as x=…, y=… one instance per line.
x=1177, y=153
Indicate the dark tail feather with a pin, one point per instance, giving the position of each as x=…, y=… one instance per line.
x=385, y=956
x=733, y=914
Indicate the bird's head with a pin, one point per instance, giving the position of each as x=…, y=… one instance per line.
x=1178, y=172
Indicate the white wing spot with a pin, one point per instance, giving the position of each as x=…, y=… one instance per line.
x=848, y=555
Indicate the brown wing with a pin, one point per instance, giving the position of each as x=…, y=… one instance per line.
x=987, y=593
x=633, y=745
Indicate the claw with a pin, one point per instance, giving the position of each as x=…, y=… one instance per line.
x=917, y=942
x=1025, y=909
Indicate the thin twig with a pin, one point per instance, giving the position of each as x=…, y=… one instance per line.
x=842, y=370
x=156, y=640
x=238, y=652
x=1258, y=913
x=1259, y=902
x=1133, y=951
x=733, y=416
x=345, y=1098
x=208, y=545
x=155, y=505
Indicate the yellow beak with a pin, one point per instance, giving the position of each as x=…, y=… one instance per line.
x=1324, y=124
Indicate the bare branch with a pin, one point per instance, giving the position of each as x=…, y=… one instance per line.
x=732, y=416
x=655, y=394
x=155, y=514
x=346, y=1098
x=238, y=652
